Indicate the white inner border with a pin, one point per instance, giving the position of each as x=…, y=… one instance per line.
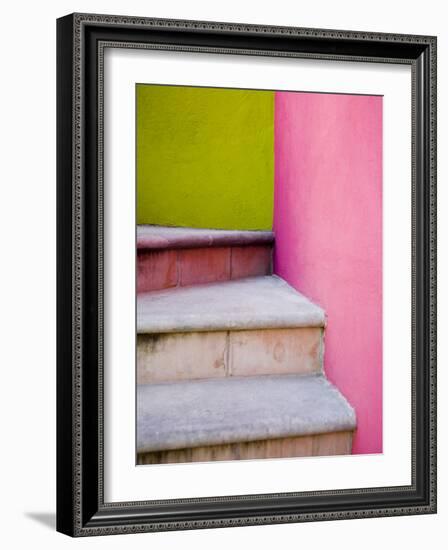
x=123, y=481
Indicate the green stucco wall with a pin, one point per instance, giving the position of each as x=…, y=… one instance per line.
x=205, y=157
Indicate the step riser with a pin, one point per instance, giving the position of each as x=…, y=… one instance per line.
x=330, y=444
x=160, y=269
x=197, y=355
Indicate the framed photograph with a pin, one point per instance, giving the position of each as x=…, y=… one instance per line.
x=246, y=274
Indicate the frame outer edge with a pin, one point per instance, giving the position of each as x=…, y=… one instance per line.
x=222, y=26
x=65, y=495
x=432, y=268
x=69, y=455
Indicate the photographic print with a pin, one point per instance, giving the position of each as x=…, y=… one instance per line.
x=259, y=274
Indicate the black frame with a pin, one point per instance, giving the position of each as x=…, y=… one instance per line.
x=81, y=510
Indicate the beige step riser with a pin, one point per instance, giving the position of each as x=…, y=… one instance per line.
x=337, y=443
x=159, y=269
x=196, y=355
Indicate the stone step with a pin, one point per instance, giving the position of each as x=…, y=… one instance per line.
x=254, y=417
x=160, y=237
x=239, y=328
x=245, y=304
x=219, y=354
x=176, y=256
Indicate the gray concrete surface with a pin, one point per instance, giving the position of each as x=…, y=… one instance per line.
x=252, y=303
x=187, y=414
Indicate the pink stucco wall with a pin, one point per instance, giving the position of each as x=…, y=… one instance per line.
x=328, y=227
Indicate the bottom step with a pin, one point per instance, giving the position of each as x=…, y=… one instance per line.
x=337, y=443
x=239, y=418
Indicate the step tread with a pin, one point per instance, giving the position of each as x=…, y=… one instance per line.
x=188, y=414
x=244, y=304
x=159, y=237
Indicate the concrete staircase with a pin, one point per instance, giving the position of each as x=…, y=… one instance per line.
x=229, y=356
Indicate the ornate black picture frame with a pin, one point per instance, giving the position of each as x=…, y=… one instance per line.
x=81, y=509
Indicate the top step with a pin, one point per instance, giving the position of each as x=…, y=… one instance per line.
x=155, y=237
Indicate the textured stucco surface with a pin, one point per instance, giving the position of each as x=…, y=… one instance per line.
x=205, y=157
x=328, y=229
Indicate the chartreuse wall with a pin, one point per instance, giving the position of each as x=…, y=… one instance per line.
x=205, y=157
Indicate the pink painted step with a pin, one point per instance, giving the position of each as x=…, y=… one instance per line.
x=168, y=257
